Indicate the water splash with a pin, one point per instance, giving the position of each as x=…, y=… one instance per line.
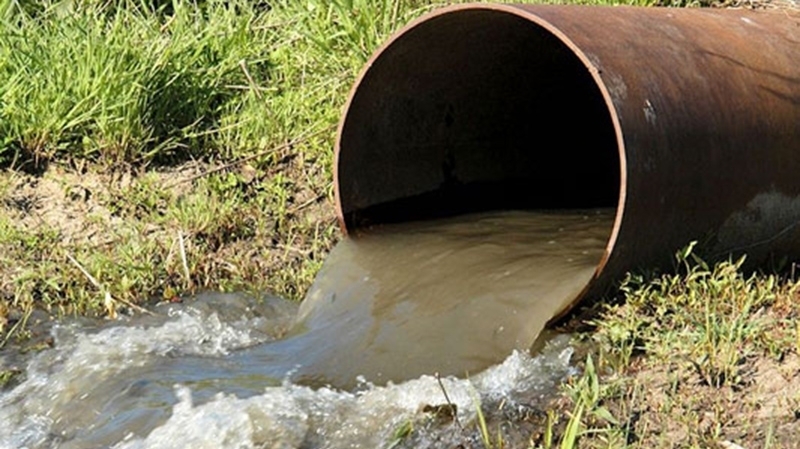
x=389, y=309
x=92, y=390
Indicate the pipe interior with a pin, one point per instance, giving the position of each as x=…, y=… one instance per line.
x=475, y=110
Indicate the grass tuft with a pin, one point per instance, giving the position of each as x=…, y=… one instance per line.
x=711, y=319
x=690, y=359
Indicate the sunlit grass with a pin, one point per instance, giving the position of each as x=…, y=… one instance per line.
x=136, y=81
x=133, y=87
x=126, y=84
x=132, y=83
x=674, y=351
x=708, y=318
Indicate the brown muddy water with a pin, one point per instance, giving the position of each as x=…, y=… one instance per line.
x=465, y=297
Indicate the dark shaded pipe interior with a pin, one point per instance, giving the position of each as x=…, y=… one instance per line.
x=473, y=111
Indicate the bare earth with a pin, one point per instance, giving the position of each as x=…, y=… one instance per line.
x=159, y=234
x=673, y=407
x=76, y=204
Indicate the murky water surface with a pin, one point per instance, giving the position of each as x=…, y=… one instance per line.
x=351, y=367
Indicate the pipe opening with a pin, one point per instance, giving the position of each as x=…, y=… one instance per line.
x=474, y=110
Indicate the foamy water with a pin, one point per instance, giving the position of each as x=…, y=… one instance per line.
x=115, y=388
x=233, y=371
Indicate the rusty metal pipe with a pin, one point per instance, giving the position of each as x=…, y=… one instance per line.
x=687, y=121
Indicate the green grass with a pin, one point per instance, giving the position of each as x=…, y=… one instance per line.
x=133, y=82
x=128, y=85
x=136, y=113
x=679, y=361
x=722, y=330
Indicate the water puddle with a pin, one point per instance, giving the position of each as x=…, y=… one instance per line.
x=463, y=297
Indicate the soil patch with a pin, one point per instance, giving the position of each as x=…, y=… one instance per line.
x=69, y=239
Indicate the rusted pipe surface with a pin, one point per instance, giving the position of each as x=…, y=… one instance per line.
x=684, y=120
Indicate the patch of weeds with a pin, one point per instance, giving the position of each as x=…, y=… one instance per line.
x=711, y=319
x=691, y=359
x=162, y=235
x=585, y=415
x=139, y=200
x=214, y=216
x=27, y=255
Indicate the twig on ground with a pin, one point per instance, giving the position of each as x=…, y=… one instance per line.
x=306, y=204
x=449, y=403
x=290, y=248
x=183, y=260
x=108, y=298
x=250, y=80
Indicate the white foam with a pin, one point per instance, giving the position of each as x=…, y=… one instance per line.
x=292, y=416
x=80, y=361
x=273, y=420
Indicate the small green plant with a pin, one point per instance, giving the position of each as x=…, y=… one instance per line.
x=676, y=348
x=703, y=316
x=588, y=394
x=489, y=442
x=403, y=431
x=484, y=430
x=7, y=376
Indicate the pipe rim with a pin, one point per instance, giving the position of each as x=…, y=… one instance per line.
x=594, y=72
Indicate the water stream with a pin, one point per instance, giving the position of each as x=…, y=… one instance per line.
x=465, y=298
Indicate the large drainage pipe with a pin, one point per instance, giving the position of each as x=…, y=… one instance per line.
x=687, y=121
